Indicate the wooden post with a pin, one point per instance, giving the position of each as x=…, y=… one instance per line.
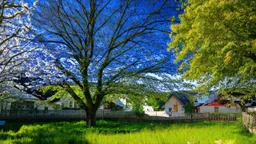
x=103, y=113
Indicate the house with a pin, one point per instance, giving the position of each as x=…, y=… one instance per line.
x=147, y=108
x=215, y=104
x=174, y=106
x=68, y=103
x=250, y=105
x=15, y=103
x=117, y=104
x=27, y=99
x=18, y=100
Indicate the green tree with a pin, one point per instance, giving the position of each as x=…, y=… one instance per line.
x=216, y=43
x=156, y=99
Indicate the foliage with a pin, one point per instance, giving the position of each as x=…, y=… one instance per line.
x=156, y=99
x=215, y=41
x=252, y=113
x=139, y=113
x=125, y=132
x=59, y=92
x=189, y=108
x=138, y=110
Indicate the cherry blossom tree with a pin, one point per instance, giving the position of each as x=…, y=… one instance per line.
x=14, y=35
x=13, y=51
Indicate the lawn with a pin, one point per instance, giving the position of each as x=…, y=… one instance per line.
x=107, y=132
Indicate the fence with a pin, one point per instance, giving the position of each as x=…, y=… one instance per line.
x=51, y=115
x=224, y=116
x=249, y=121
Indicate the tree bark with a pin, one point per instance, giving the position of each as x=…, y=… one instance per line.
x=91, y=118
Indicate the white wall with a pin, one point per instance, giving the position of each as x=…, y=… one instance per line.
x=204, y=109
x=232, y=109
x=147, y=108
x=251, y=109
x=170, y=104
x=222, y=109
x=42, y=107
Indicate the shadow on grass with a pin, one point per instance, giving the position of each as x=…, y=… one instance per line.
x=241, y=130
x=12, y=126
x=44, y=133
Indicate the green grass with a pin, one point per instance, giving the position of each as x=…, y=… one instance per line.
x=107, y=132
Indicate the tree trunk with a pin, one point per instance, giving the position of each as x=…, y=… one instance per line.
x=91, y=118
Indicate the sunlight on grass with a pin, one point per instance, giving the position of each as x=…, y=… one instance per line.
x=107, y=132
x=219, y=133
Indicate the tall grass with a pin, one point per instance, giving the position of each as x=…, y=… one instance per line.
x=107, y=132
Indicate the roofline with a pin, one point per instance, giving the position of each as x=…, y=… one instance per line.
x=176, y=98
x=169, y=98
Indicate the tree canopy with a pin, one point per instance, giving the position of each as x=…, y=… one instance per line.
x=216, y=43
x=104, y=46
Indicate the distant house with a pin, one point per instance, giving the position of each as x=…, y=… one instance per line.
x=250, y=105
x=117, y=104
x=67, y=102
x=215, y=104
x=147, y=108
x=27, y=99
x=176, y=100
x=25, y=103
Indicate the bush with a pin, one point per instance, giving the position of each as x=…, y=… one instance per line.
x=252, y=113
x=189, y=108
x=138, y=111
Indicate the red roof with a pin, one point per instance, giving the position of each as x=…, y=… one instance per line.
x=214, y=103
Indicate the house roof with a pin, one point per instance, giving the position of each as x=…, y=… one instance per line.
x=211, y=99
x=120, y=102
x=214, y=103
x=215, y=100
x=182, y=96
x=207, y=100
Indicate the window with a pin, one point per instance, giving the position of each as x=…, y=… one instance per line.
x=216, y=109
x=175, y=108
x=170, y=109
